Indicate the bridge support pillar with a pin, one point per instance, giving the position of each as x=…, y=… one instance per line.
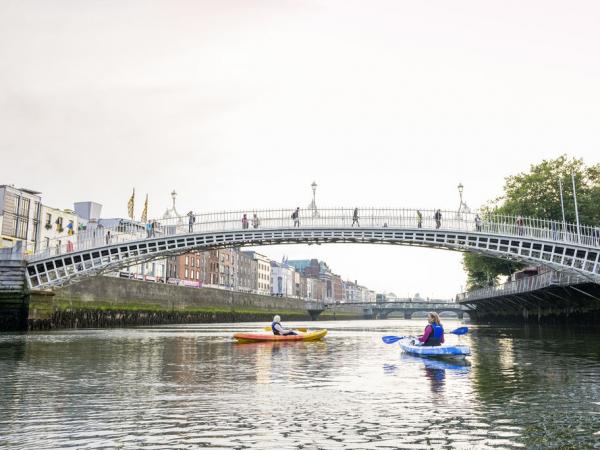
x=315, y=313
x=460, y=315
x=14, y=298
x=368, y=314
x=407, y=315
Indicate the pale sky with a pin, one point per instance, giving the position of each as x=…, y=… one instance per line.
x=242, y=104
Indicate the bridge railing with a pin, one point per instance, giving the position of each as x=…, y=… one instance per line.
x=281, y=219
x=527, y=284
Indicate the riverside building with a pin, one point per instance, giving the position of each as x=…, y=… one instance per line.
x=20, y=215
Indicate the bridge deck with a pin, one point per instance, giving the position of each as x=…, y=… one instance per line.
x=557, y=245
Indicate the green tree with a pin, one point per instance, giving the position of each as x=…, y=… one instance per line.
x=537, y=194
x=484, y=271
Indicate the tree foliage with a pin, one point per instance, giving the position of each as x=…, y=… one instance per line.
x=537, y=194
x=484, y=271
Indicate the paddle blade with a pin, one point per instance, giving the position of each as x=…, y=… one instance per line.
x=391, y=339
x=301, y=329
x=461, y=330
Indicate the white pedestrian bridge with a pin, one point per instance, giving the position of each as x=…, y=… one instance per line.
x=562, y=246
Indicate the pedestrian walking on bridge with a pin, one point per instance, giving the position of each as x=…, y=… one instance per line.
x=191, y=220
x=519, y=223
x=296, y=217
x=438, y=219
x=477, y=222
x=355, y=218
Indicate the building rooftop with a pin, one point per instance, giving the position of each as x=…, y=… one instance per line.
x=299, y=264
x=29, y=191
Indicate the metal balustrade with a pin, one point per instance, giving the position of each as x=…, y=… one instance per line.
x=528, y=284
x=556, y=244
x=325, y=218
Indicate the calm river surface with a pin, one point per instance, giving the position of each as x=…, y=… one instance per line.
x=191, y=386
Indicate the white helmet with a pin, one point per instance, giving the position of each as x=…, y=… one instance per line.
x=276, y=319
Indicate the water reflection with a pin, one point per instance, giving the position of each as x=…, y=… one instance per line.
x=434, y=369
x=193, y=386
x=537, y=383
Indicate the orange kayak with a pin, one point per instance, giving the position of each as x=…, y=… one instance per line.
x=263, y=337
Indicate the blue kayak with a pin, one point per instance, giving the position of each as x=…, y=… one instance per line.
x=440, y=351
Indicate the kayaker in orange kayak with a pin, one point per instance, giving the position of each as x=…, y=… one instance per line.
x=279, y=330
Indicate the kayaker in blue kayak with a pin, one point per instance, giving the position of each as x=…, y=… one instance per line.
x=434, y=332
x=279, y=330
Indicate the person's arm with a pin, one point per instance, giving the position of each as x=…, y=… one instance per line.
x=442, y=339
x=279, y=328
x=426, y=334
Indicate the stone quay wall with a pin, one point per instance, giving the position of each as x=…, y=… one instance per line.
x=13, y=296
x=102, y=302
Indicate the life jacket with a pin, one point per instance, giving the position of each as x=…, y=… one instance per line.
x=435, y=338
x=275, y=332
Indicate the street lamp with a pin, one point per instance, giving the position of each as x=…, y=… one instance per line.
x=313, y=204
x=462, y=207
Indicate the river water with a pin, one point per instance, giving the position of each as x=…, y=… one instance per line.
x=192, y=386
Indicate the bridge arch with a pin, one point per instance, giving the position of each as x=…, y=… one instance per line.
x=537, y=242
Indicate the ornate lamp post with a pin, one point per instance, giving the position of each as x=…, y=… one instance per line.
x=462, y=207
x=313, y=204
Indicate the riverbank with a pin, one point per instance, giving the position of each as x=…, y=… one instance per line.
x=105, y=302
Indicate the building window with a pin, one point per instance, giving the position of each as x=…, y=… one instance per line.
x=186, y=272
x=24, y=207
x=187, y=261
x=59, y=224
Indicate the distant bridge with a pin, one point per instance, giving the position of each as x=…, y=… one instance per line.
x=561, y=246
x=408, y=307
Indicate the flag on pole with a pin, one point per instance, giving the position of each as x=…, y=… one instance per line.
x=145, y=211
x=130, y=205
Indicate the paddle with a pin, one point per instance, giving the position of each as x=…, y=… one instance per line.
x=303, y=330
x=392, y=339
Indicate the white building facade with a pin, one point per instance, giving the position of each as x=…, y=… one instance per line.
x=57, y=228
x=282, y=280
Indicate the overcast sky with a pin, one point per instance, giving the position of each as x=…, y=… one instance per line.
x=242, y=104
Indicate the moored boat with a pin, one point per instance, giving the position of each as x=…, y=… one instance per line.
x=264, y=337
